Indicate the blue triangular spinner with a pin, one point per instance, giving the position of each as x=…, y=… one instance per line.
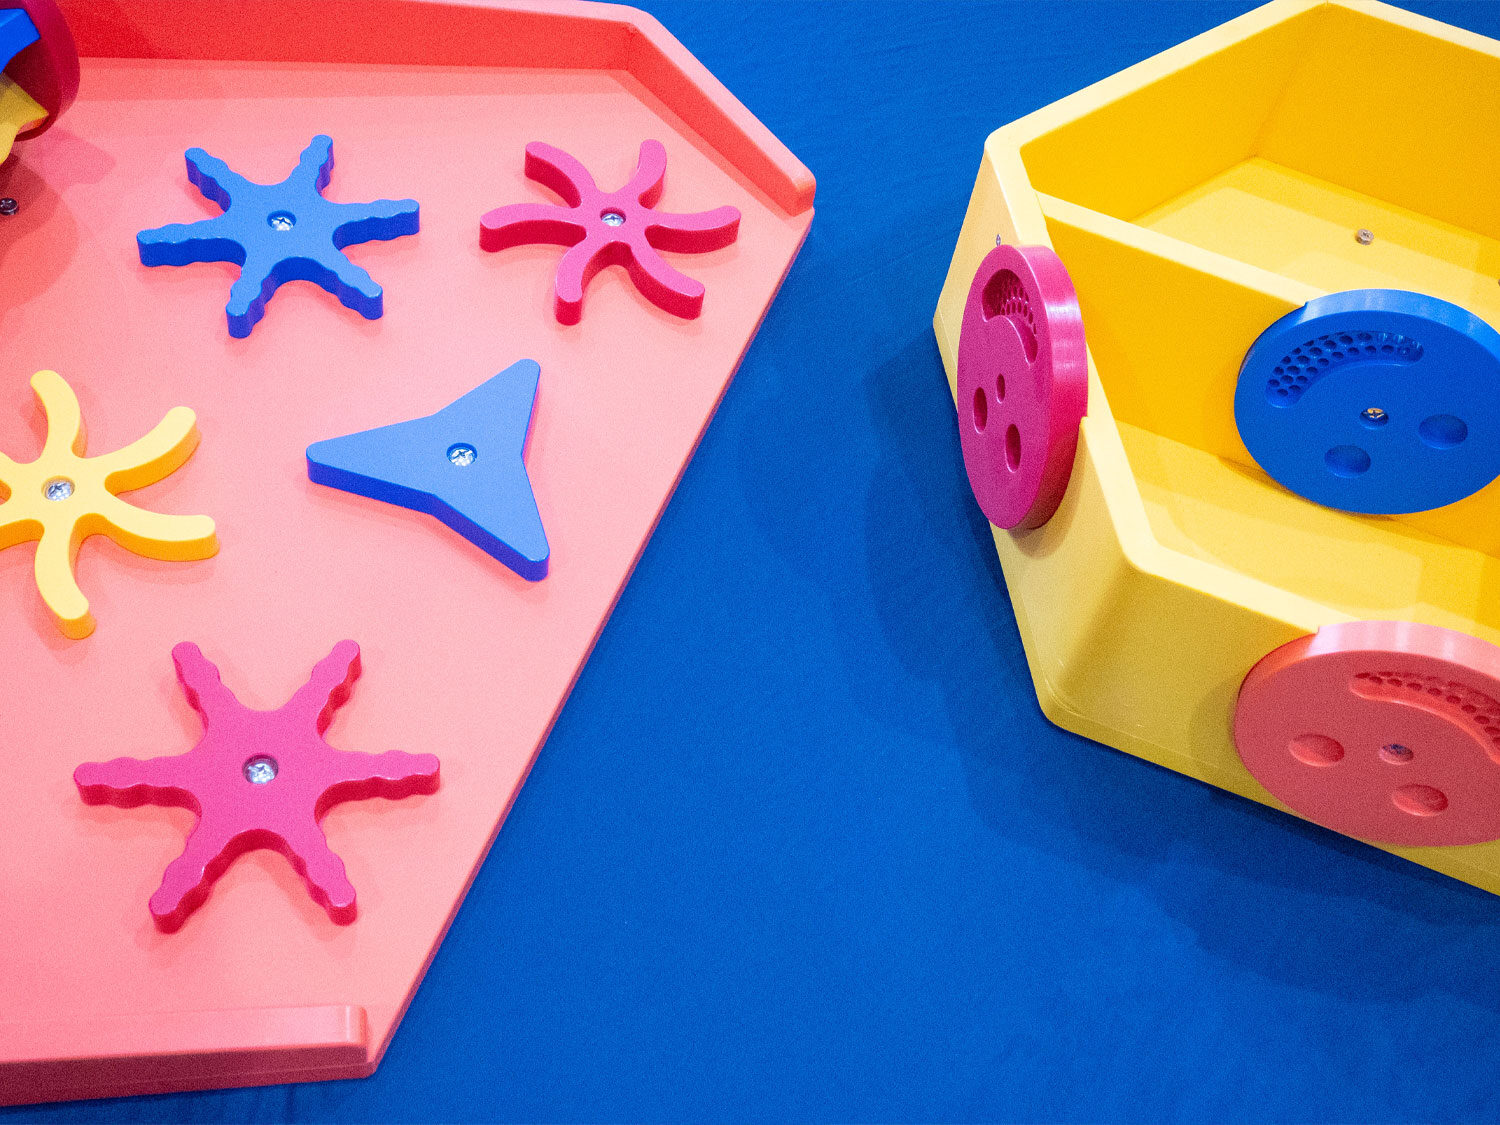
x=465, y=465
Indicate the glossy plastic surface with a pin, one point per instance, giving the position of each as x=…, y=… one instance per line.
x=1173, y=563
x=63, y=497
x=48, y=69
x=18, y=112
x=462, y=658
x=16, y=33
x=1383, y=730
x=605, y=228
x=1374, y=400
x=280, y=232
x=257, y=779
x=18, y=109
x=464, y=465
x=1022, y=384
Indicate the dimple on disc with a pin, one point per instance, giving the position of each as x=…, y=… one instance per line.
x=1383, y=730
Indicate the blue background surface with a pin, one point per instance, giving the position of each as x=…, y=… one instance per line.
x=802, y=845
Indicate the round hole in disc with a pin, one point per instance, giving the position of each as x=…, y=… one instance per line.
x=1442, y=431
x=1013, y=448
x=1396, y=754
x=981, y=409
x=1315, y=749
x=1346, y=460
x=999, y=388
x=1419, y=800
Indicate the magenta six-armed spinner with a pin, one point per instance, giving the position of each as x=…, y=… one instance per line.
x=611, y=228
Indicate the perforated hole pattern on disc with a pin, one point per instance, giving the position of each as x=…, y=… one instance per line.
x=1004, y=295
x=1307, y=364
x=1464, y=703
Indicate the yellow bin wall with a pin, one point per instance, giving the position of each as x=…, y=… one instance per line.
x=1195, y=198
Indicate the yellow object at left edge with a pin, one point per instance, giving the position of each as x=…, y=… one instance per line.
x=18, y=111
x=63, y=497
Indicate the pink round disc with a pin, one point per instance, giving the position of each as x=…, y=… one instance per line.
x=1022, y=384
x=1383, y=730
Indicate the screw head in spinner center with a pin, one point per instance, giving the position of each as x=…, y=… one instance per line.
x=260, y=771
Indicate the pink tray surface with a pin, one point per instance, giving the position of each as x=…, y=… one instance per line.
x=461, y=657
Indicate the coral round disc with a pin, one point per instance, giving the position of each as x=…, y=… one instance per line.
x=1022, y=384
x=1384, y=730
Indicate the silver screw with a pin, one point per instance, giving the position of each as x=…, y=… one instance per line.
x=462, y=455
x=1364, y=236
x=613, y=219
x=999, y=239
x=9, y=206
x=281, y=221
x=58, y=489
x=260, y=771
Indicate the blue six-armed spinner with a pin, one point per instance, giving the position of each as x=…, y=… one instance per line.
x=280, y=232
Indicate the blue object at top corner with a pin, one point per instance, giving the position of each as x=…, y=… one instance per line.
x=17, y=32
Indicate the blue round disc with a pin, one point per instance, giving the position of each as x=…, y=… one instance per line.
x=1374, y=400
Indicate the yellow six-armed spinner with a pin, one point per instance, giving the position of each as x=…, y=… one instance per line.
x=63, y=497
